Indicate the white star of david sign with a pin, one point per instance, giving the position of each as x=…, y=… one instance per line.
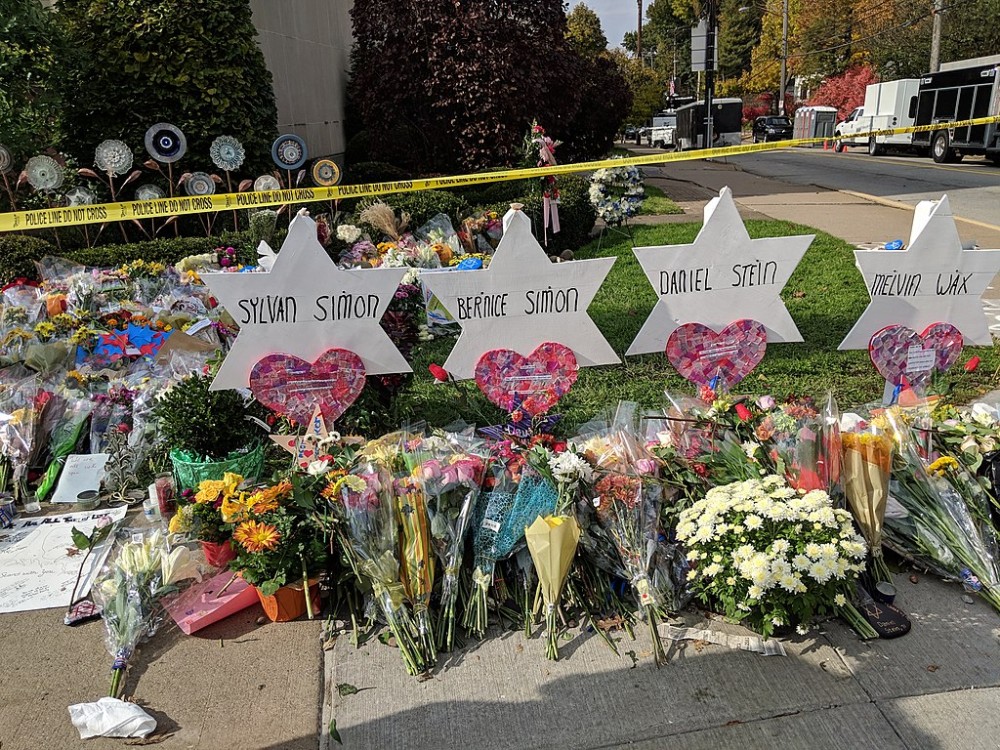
x=304, y=306
x=523, y=300
x=934, y=280
x=721, y=277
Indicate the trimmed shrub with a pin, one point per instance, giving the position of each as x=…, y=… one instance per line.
x=426, y=204
x=576, y=214
x=18, y=253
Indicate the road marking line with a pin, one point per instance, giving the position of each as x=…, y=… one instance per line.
x=905, y=162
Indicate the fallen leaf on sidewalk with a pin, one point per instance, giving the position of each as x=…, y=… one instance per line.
x=699, y=646
x=933, y=668
x=334, y=734
x=345, y=688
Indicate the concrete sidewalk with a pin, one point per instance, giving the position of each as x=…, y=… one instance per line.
x=936, y=688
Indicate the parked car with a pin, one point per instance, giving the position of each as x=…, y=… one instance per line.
x=844, y=132
x=630, y=133
x=772, y=128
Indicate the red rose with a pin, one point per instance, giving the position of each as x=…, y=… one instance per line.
x=972, y=364
x=743, y=412
x=440, y=374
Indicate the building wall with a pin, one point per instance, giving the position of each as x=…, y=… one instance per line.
x=307, y=46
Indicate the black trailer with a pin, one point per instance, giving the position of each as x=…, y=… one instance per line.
x=962, y=90
x=727, y=122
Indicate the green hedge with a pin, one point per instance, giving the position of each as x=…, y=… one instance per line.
x=426, y=204
x=19, y=252
x=576, y=214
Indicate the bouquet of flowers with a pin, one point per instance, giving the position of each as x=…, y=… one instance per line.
x=502, y=517
x=22, y=404
x=941, y=516
x=451, y=478
x=552, y=540
x=64, y=437
x=368, y=514
x=416, y=555
x=770, y=557
x=129, y=591
x=867, y=462
x=806, y=444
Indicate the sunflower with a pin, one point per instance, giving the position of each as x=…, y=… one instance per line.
x=257, y=537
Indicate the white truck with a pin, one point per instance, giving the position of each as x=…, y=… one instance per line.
x=888, y=105
x=660, y=136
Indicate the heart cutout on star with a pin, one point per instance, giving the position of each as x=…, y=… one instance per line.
x=901, y=354
x=701, y=355
x=296, y=388
x=534, y=383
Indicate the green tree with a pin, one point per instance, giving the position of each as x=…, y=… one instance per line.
x=584, y=32
x=441, y=86
x=646, y=85
x=30, y=47
x=196, y=65
x=739, y=29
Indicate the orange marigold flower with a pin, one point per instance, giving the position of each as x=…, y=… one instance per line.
x=257, y=537
x=262, y=504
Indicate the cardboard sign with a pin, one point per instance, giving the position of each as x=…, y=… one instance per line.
x=933, y=280
x=721, y=277
x=40, y=562
x=522, y=301
x=305, y=306
x=81, y=472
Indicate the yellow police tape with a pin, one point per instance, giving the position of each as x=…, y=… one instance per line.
x=48, y=218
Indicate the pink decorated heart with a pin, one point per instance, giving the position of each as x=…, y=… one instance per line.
x=295, y=388
x=900, y=353
x=538, y=380
x=701, y=355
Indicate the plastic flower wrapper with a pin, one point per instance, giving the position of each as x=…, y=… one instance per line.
x=451, y=476
x=867, y=453
x=764, y=555
x=368, y=513
x=940, y=516
x=806, y=445
x=130, y=589
x=416, y=556
x=628, y=508
x=21, y=415
x=552, y=542
x=64, y=437
x=501, y=518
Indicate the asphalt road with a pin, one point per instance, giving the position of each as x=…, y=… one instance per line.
x=972, y=186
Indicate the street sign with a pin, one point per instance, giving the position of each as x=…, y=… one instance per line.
x=699, y=47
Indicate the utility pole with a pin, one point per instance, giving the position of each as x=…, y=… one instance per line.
x=784, y=56
x=710, y=71
x=936, y=37
x=638, y=35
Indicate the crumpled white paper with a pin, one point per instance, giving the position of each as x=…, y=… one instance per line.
x=111, y=717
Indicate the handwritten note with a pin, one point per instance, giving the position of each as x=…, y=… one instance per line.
x=82, y=472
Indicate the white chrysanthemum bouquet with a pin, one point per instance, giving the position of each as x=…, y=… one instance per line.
x=766, y=556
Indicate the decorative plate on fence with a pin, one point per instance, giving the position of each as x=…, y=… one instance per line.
x=165, y=142
x=289, y=151
x=227, y=153
x=80, y=196
x=266, y=182
x=199, y=183
x=296, y=388
x=149, y=193
x=534, y=383
x=325, y=172
x=113, y=157
x=44, y=173
x=718, y=360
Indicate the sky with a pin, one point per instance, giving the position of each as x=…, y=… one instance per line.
x=617, y=17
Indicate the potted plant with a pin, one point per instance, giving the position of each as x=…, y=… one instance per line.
x=209, y=432
x=279, y=546
x=200, y=516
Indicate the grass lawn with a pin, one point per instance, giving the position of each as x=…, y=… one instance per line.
x=825, y=296
x=658, y=204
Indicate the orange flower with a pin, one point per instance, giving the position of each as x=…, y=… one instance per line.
x=262, y=504
x=257, y=537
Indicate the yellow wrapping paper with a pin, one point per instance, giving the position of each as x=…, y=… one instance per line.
x=866, y=469
x=552, y=543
